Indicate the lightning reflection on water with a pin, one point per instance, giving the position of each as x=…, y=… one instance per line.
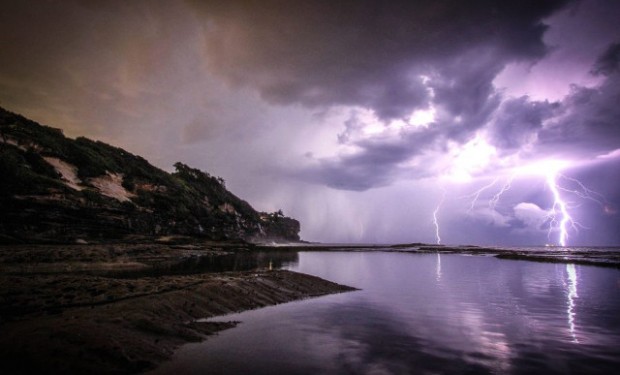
x=572, y=295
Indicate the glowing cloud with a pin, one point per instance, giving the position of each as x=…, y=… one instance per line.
x=471, y=158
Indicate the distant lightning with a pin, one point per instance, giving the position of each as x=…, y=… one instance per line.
x=558, y=216
x=475, y=195
x=435, y=220
x=493, y=202
x=582, y=191
x=559, y=208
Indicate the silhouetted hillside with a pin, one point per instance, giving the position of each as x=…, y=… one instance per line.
x=57, y=189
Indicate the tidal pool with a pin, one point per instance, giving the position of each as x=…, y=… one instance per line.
x=425, y=314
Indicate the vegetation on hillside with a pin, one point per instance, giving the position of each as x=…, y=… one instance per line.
x=188, y=201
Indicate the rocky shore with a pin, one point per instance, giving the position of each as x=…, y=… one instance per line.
x=115, y=309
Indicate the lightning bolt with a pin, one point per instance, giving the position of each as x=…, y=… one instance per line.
x=475, y=195
x=582, y=191
x=435, y=220
x=493, y=202
x=558, y=205
x=496, y=197
x=559, y=216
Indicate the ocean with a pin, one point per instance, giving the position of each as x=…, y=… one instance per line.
x=424, y=312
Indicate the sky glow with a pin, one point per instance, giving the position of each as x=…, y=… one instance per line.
x=470, y=159
x=348, y=115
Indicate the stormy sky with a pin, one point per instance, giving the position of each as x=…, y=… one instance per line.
x=365, y=120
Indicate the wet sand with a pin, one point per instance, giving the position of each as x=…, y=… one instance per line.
x=58, y=314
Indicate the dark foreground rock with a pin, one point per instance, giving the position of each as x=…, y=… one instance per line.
x=80, y=322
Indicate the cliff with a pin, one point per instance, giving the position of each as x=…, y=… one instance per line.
x=57, y=189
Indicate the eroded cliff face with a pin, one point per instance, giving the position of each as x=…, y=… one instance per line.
x=56, y=189
x=277, y=227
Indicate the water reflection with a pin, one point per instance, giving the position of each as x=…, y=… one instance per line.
x=485, y=316
x=487, y=346
x=572, y=295
x=214, y=262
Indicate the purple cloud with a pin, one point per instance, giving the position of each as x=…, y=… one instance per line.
x=370, y=54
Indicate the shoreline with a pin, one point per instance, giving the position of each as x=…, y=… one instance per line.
x=134, y=333
x=57, y=319
x=124, y=308
x=604, y=257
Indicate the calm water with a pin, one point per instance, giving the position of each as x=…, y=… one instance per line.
x=426, y=314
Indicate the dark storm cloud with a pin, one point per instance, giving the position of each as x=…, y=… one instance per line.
x=378, y=162
x=589, y=124
x=609, y=62
x=376, y=165
x=464, y=91
x=389, y=57
x=466, y=101
x=366, y=53
x=584, y=125
x=518, y=121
